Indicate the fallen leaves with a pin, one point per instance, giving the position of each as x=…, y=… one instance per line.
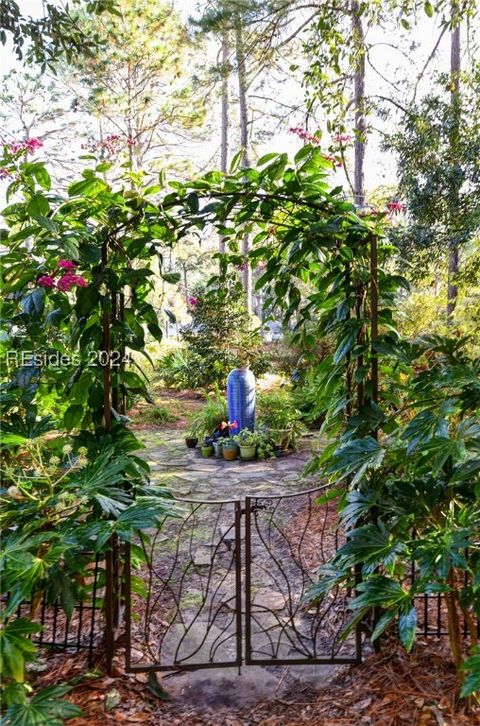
x=392, y=688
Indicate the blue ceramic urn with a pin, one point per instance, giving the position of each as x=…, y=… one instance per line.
x=241, y=398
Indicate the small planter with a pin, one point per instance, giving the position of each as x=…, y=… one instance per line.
x=217, y=447
x=191, y=442
x=281, y=437
x=230, y=452
x=248, y=452
x=207, y=450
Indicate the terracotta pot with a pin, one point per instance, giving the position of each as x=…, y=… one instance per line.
x=230, y=453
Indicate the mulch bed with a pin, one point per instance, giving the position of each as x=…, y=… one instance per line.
x=391, y=688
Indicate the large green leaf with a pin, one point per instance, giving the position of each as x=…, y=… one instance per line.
x=33, y=303
x=357, y=456
x=45, y=708
x=38, y=206
x=407, y=626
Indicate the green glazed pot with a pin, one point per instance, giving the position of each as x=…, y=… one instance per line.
x=248, y=452
x=207, y=451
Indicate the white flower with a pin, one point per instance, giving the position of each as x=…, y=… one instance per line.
x=14, y=492
x=67, y=449
x=54, y=460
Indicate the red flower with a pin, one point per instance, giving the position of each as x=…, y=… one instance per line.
x=396, y=207
x=46, y=281
x=233, y=425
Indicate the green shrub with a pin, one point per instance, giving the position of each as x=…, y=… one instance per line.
x=175, y=369
x=276, y=411
x=222, y=336
x=203, y=422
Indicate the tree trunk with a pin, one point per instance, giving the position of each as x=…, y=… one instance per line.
x=243, y=112
x=359, y=105
x=224, y=129
x=185, y=283
x=453, y=256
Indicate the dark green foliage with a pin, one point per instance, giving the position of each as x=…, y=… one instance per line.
x=438, y=148
x=64, y=497
x=55, y=35
x=221, y=336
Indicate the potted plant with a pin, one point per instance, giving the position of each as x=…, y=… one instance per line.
x=191, y=441
x=265, y=447
x=247, y=442
x=230, y=449
x=280, y=418
x=210, y=417
x=207, y=447
x=218, y=446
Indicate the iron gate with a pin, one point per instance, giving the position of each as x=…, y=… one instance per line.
x=226, y=584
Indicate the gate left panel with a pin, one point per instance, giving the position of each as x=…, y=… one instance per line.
x=183, y=590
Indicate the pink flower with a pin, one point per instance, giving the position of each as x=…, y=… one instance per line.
x=232, y=425
x=395, y=207
x=67, y=264
x=33, y=144
x=342, y=138
x=333, y=159
x=28, y=145
x=68, y=281
x=46, y=281
x=192, y=301
x=304, y=135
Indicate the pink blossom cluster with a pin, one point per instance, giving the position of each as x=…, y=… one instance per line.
x=28, y=145
x=342, y=138
x=304, y=135
x=395, y=207
x=333, y=159
x=66, y=281
x=111, y=144
x=192, y=301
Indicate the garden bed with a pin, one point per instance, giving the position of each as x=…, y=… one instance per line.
x=389, y=689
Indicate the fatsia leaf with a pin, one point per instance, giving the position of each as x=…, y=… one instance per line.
x=471, y=684
x=407, y=626
x=357, y=456
x=379, y=590
x=45, y=708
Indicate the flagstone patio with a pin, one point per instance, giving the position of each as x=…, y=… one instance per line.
x=188, y=475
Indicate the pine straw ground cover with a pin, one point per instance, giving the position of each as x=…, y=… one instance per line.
x=391, y=688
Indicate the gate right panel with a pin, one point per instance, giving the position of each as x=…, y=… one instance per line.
x=287, y=538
